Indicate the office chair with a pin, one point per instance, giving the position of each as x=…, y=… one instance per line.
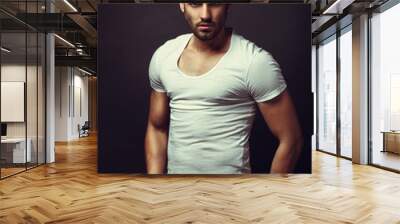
x=84, y=130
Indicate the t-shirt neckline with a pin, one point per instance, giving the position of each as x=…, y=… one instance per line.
x=186, y=41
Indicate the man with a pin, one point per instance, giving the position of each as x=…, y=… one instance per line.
x=206, y=87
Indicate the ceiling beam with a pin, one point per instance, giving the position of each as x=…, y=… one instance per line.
x=83, y=61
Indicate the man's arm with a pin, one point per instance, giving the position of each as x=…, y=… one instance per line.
x=157, y=133
x=281, y=118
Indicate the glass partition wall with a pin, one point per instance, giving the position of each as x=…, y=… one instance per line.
x=13, y=87
x=22, y=88
x=334, y=94
x=334, y=90
x=326, y=140
x=345, y=92
x=385, y=89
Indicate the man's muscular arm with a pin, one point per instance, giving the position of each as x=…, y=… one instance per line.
x=156, y=139
x=280, y=116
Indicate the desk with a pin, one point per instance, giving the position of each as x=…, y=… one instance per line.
x=391, y=141
x=13, y=150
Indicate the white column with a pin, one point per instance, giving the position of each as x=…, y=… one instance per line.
x=50, y=93
x=360, y=90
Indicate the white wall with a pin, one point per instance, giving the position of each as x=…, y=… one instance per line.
x=71, y=94
x=314, y=90
x=62, y=81
x=9, y=73
x=81, y=96
x=16, y=73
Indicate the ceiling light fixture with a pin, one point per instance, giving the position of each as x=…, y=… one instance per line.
x=65, y=41
x=337, y=7
x=70, y=5
x=79, y=51
x=5, y=50
x=84, y=71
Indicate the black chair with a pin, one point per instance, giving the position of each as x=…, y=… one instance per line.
x=84, y=130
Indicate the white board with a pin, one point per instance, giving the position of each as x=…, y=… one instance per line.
x=12, y=101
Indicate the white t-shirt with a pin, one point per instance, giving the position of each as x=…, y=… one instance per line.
x=212, y=114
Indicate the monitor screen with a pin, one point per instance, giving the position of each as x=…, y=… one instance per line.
x=3, y=129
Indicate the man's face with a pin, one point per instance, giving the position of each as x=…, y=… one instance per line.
x=205, y=19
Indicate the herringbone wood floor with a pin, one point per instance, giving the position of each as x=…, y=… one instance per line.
x=71, y=191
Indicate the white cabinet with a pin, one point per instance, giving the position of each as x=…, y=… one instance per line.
x=17, y=145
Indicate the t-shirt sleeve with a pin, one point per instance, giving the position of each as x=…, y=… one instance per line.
x=154, y=73
x=264, y=77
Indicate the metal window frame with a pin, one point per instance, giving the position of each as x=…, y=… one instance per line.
x=336, y=35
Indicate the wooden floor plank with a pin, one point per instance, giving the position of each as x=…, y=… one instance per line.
x=71, y=191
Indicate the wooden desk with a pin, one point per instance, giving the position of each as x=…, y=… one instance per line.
x=391, y=141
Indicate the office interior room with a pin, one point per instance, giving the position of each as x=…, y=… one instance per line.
x=375, y=89
x=39, y=110
x=49, y=127
x=22, y=99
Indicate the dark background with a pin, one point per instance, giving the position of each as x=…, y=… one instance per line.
x=128, y=35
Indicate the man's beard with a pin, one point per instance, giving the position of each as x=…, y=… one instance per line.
x=207, y=36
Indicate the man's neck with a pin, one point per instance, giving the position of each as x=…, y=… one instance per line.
x=219, y=43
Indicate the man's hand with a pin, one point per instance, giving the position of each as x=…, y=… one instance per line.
x=157, y=133
x=280, y=116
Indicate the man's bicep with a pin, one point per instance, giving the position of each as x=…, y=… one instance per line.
x=280, y=116
x=159, y=109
